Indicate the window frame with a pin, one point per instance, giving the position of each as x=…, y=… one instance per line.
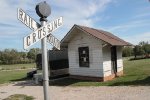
x=84, y=60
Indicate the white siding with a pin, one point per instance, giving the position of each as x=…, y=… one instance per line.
x=107, y=61
x=119, y=59
x=95, y=55
x=108, y=70
x=100, y=59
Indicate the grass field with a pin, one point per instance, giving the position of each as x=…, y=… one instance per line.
x=11, y=76
x=14, y=75
x=17, y=66
x=136, y=72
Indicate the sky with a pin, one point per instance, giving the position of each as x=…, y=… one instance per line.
x=127, y=19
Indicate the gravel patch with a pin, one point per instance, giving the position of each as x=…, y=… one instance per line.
x=77, y=93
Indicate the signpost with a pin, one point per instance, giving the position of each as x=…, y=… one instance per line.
x=41, y=32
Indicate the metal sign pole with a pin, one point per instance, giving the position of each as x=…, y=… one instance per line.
x=45, y=66
x=43, y=10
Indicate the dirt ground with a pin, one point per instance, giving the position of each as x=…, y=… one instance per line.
x=77, y=93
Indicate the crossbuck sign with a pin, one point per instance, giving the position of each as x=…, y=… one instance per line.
x=39, y=32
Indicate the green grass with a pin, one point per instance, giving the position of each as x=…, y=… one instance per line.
x=19, y=97
x=14, y=75
x=17, y=66
x=11, y=76
x=136, y=73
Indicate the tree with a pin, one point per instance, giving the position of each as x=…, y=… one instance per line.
x=146, y=47
x=127, y=51
x=137, y=50
x=32, y=53
x=12, y=56
x=142, y=43
x=23, y=55
x=9, y=56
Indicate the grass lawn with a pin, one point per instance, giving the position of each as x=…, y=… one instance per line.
x=136, y=72
x=11, y=76
x=14, y=75
x=17, y=66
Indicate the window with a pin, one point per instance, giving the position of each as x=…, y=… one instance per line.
x=83, y=56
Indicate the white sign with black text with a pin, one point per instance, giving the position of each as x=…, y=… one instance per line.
x=40, y=32
x=53, y=41
x=27, y=20
x=43, y=32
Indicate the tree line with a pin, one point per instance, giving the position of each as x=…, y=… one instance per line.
x=142, y=50
x=12, y=56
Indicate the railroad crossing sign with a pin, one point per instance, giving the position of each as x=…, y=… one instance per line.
x=39, y=32
x=27, y=20
x=42, y=31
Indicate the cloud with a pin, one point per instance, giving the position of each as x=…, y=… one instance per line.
x=129, y=25
x=79, y=11
x=10, y=27
x=6, y=10
x=6, y=25
x=135, y=39
x=73, y=11
x=141, y=15
x=82, y=12
x=129, y=31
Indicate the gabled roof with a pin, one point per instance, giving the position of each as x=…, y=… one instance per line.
x=99, y=34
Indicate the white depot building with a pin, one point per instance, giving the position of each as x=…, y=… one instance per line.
x=93, y=54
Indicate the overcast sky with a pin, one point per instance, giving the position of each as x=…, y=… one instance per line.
x=127, y=19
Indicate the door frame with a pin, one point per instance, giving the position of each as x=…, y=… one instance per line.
x=114, y=59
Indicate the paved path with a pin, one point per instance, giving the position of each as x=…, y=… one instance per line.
x=78, y=93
